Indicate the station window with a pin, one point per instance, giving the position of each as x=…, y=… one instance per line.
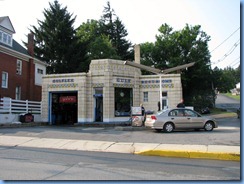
x=145, y=96
x=123, y=101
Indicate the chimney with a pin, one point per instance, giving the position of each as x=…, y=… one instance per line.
x=137, y=54
x=30, y=45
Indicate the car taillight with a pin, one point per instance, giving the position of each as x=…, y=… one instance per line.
x=153, y=117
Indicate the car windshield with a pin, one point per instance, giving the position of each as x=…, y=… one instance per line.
x=162, y=112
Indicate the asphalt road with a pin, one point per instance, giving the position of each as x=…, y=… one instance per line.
x=21, y=163
x=226, y=102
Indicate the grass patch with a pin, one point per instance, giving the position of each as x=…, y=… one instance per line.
x=237, y=97
x=218, y=111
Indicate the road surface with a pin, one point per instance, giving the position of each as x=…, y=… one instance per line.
x=50, y=164
x=226, y=102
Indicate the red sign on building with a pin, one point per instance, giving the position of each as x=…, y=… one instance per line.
x=67, y=99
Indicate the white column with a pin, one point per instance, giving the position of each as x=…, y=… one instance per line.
x=160, y=91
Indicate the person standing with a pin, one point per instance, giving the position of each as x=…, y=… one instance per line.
x=143, y=113
x=181, y=104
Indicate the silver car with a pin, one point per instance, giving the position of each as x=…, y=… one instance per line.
x=179, y=118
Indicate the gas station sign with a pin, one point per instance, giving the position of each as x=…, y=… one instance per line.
x=67, y=99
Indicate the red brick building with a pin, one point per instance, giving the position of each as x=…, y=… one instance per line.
x=20, y=72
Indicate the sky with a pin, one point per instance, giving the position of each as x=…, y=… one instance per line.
x=220, y=19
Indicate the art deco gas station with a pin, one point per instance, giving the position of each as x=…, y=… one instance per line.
x=108, y=91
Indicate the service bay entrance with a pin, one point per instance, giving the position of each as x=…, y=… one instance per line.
x=64, y=109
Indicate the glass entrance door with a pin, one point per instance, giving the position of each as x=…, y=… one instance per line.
x=98, y=109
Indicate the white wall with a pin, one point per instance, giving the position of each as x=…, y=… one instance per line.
x=38, y=76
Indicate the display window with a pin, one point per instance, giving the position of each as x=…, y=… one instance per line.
x=123, y=101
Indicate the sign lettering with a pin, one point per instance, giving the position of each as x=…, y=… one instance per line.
x=67, y=99
x=62, y=80
x=123, y=80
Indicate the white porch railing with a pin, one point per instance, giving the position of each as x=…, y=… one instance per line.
x=10, y=106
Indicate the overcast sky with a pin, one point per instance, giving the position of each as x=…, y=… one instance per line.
x=220, y=19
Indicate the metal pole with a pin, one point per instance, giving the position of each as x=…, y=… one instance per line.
x=160, y=91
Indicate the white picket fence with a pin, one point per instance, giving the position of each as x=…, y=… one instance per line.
x=10, y=106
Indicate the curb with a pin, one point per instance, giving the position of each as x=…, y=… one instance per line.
x=214, y=152
x=224, y=115
x=19, y=125
x=192, y=154
x=129, y=128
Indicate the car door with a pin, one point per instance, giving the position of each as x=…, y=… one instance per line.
x=194, y=121
x=178, y=118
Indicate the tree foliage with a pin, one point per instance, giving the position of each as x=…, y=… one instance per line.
x=55, y=40
x=226, y=79
x=174, y=48
x=68, y=50
x=105, y=38
x=98, y=45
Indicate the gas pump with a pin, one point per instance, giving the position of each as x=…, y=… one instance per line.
x=137, y=117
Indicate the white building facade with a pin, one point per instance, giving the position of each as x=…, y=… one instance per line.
x=105, y=94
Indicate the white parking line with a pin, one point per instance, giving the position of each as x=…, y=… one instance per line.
x=228, y=128
x=88, y=129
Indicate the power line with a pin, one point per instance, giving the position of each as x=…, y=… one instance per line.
x=233, y=63
x=225, y=40
x=228, y=53
x=238, y=62
x=235, y=60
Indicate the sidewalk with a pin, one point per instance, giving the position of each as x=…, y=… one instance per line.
x=154, y=149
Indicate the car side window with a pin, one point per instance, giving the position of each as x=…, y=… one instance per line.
x=173, y=113
x=176, y=112
x=180, y=112
x=190, y=113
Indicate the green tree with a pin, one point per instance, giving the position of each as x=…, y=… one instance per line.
x=225, y=79
x=101, y=48
x=174, y=48
x=106, y=21
x=122, y=45
x=238, y=74
x=147, y=58
x=55, y=41
x=97, y=44
x=113, y=27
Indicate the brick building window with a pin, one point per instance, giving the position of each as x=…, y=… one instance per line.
x=18, y=93
x=5, y=38
x=40, y=71
x=19, y=67
x=4, y=80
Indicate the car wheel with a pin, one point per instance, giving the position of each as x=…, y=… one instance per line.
x=168, y=127
x=208, y=126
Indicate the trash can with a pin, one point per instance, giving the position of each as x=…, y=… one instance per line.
x=26, y=118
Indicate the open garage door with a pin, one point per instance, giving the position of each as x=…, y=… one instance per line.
x=64, y=108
